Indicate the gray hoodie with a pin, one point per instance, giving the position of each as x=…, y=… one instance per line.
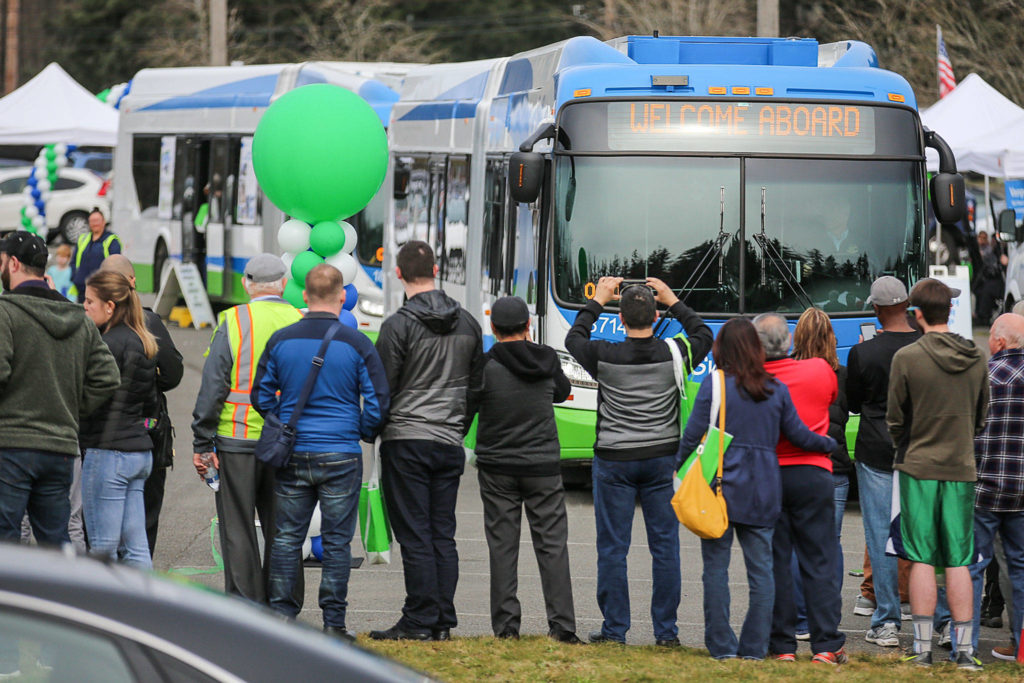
x=938, y=399
x=54, y=370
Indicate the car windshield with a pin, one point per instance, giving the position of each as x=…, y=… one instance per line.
x=829, y=228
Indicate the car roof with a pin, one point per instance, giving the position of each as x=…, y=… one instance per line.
x=67, y=172
x=237, y=636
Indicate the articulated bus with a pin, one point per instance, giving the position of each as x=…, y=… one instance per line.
x=184, y=186
x=751, y=174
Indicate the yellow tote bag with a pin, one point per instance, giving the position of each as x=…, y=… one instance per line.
x=700, y=507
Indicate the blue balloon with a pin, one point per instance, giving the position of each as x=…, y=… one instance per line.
x=347, y=318
x=41, y=205
x=36, y=194
x=316, y=544
x=32, y=182
x=31, y=174
x=351, y=297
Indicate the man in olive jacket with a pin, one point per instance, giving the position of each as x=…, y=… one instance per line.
x=54, y=370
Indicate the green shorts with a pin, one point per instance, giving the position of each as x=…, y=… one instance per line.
x=937, y=521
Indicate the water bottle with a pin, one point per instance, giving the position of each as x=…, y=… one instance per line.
x=212, y=477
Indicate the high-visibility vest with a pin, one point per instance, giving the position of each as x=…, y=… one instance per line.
x=249, y=327
x=83, y=242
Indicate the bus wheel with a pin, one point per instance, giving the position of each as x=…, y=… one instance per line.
x=73, y=224
x=160, y=265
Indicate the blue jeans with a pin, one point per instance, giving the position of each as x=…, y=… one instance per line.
x=113, y=504
x=876, y=509
x=37, y=482
x=840, y=492
x=616, y=488
x=334, y=479
x=1010, y=526
x=719, y=638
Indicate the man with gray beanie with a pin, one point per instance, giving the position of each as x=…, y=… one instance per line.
x=226, y=427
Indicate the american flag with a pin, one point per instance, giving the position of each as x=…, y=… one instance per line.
x=946, y=80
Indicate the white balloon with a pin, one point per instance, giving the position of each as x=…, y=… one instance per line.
x=293, y=236
x=31, y=211
x=45, y=196
x=350, y=237
x=314, y=523
x=37, y=222
x=61, y=162
x=288, y=257
x=43, y=184
x=346, y=264
x=307, y=547
x=27, y=191
x=40, y=162
x=60, y=148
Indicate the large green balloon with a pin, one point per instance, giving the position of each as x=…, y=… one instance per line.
x=303, y=263
x=293, y=294
x=327, y=238
x=320, y=153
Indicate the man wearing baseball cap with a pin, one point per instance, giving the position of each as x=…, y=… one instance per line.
x=867, y=391
x=938, y=400
x=226, y=427
x=54, y=368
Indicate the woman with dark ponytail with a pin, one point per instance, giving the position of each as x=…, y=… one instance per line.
x=118, y=449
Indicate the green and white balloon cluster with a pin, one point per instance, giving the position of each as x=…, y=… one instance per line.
x=41, y=181
x=320, y=153
x=306, y=247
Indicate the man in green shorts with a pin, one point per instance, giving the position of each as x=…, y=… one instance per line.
x=938, y=399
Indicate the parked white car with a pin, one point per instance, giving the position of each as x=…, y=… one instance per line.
x=77, y=191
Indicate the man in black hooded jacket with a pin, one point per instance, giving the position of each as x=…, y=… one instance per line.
x=432, y=355
x=518, y=461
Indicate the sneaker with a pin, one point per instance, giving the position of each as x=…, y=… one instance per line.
x=784, y=657
x=968, y=662
x=667, y=642
x=919, y=658
x=943, y=633
x=836, y=658
x=886, y=635
x=864, y=607
x=1005, y=653
x=803, y=635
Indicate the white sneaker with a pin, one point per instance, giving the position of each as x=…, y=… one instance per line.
x=943, y=634
x=886, y=635
x=863, y=607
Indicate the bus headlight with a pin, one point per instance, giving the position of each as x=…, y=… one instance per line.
x=370, y=307
x=578, y=377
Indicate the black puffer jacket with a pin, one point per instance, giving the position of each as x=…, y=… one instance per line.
x=432, y=353
x=119, y=424
x=516, y=434
x=838, y=416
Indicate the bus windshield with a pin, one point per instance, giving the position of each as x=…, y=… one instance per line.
x=808, y=231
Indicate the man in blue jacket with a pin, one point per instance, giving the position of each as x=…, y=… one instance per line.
x=327, y=462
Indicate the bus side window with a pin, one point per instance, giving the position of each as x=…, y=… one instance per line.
x=435, y=214
x=411, y=210
x=146, y=172
x=493, y=254
x=217, y=176
x=456, y=218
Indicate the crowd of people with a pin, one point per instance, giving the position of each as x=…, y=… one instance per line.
x=941, y=432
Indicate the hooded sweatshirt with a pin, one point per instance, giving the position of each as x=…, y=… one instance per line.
x=432, y=354
x=938, y=399
x=516, y=434
x=54, y=370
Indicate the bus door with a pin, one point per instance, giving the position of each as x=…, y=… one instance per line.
x=213, y=224
x=191, y=168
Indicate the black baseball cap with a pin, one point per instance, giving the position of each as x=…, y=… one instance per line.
x=509, y=312
x=27, y=247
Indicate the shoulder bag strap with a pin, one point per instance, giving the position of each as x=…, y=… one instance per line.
x=677, y=366
x=307, y=388
x=720, y=379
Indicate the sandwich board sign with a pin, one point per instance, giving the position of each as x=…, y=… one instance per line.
x=184, y=280
x=960, y=312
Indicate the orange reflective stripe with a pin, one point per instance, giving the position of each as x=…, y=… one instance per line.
x=239, y=397
x=252, y=351
x=247, y=408
x=238, y=329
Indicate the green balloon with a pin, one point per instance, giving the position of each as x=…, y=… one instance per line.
x=303, y=263
x=327, y=238
x=51, y=153
x=320, y=153
x=293, y=294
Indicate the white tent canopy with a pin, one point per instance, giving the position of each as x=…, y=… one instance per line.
x=974, y=109
x=999, y=153
x=52, y=108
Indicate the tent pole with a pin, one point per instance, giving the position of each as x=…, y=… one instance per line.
x=988, y=208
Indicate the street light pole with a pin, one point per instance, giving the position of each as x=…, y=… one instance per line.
x=768, y=18
x=218, y=32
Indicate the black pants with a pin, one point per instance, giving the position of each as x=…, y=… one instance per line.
x=504, y=497
x=807, y=525
x=421, y=482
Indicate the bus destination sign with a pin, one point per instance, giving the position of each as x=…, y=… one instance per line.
x=684, y=126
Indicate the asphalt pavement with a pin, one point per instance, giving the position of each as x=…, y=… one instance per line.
x=188, y=546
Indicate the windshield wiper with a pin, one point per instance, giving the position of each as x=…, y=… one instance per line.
x=768, y=251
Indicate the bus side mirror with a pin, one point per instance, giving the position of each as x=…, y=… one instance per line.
x=402, y=176
x=525, y=175
x=947, y=190
x=1007, y=224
